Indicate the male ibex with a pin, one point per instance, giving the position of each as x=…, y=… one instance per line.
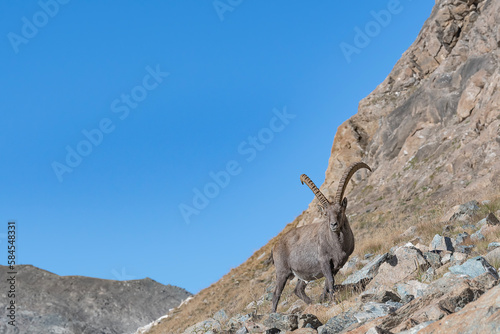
x=316, y=250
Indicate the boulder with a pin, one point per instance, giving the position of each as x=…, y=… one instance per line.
x=462, y=238
x=405, y=264
x=465, y=211
x=417, y=328
x=441, y=243
x=338, y=323
x=309, y=320
x=474, y=267
x=284, y=322
x=205, y=326
x=492, y=219
x=493, y=257
x=373, y=310
x=480, y=316
x=379, y=296
x=493, y=245
x=412, y=287
x=433, y=258
x=367, y=272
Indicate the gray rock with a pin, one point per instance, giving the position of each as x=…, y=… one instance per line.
x=242, y=330
x=412, y=287
x=273, y=331
x=493, y=245
x=474, y=267
x=284, y=322
x=379, y=296
x=368, y=255
x=441, y=243
x=205, y=326
x=466, y=210
x=429, y=275
x=309, y=321
x=477, y=236
x=481, y=223
x=373, y=310
x=406, y=299
x=433, y=258
x=462, y=238
x=464, y=249
x=338, y=323
x=221, y=316
x=417, y=328
x=367, y=272
x=492, y=219
x=493, y=257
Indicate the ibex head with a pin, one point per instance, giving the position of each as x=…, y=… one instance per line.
x=335, y=211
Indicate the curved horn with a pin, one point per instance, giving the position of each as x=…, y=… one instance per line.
x=349, y=172
x=305, y=179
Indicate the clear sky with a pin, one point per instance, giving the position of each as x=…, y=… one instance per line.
x=165, y=139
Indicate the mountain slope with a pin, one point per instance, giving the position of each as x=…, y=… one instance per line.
x=48, y=303
x=430, y=132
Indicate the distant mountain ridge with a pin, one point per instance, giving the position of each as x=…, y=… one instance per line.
x=49, y=303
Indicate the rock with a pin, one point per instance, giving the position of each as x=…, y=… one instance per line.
x=492, y=219
x=433, y=258
x=379, y=296
x=373, y=310
x=465, y=211
x=368, y=255
x=422, y=248
x=417, y=328
x=406, y=299
x=464, y=249
x=414, y=288
x=474, y=267
x=446, y=258
x=304, y=331
x=221, y=316
x=309, y=319
x=242, y=330
x=284, y=322
x=405, y=264
x=493, y=245
x=477, y=236
x=377, y=330
x=297, y=307
x=338, y=323
x=273, y=331
x=205, y=326
x=462, y=238
x=442, y=297
x=441, y=243
x=480, y=316
x=458, y=258
x=493, y=257
x=481, y=223
x=367, y=272
x=429, y=275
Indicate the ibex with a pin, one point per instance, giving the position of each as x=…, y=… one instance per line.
x=316, y=250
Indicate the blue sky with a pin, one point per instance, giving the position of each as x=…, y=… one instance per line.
x=165, y=139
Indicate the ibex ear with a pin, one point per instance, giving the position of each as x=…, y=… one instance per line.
x=344, y=202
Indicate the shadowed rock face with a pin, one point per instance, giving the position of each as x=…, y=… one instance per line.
x=48, y=303
x=432, y=128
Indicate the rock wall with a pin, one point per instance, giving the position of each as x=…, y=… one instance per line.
x=432, y=128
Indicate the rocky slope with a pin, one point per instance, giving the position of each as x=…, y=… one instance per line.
x=431, y=133
x=48, y=303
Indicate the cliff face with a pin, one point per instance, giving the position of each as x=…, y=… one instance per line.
x=48, y=303
x=432, y=129
x=431, y=133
